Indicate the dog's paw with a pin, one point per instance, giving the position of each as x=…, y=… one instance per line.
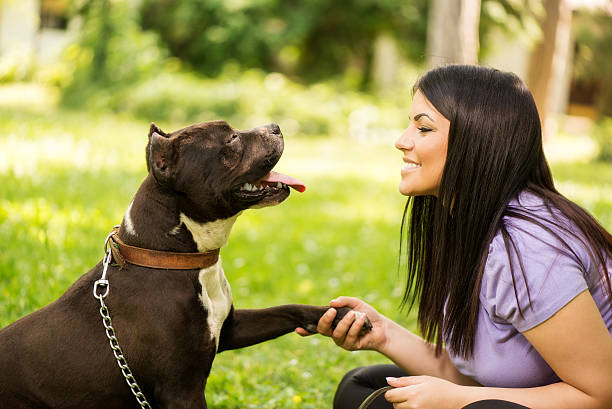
x=341, y=313
x=312, y=328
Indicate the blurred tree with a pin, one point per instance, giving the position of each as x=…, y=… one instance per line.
x=516, y=19
x=452, y=33
x=592, y=69
x=112, y=50
x=99, y=12
x=548, y=61
x=308, y=40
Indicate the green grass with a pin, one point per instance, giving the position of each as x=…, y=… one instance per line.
x=67, y=178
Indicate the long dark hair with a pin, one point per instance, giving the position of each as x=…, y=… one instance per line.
x=494, y=153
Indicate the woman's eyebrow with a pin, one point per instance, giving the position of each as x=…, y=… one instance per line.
x=418, y=116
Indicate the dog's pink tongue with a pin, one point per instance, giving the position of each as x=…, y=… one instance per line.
x=274, y=177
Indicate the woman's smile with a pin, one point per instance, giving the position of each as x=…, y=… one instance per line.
x=410, y=166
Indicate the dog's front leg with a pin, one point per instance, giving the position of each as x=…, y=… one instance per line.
x=243, y=328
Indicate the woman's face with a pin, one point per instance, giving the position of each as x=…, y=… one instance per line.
x=424, y=145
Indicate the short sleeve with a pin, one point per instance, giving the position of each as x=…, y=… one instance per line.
x=548, y=280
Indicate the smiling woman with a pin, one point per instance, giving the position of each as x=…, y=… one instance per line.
x=511, y=278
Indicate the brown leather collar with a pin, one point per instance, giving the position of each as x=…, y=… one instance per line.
x=124, y=253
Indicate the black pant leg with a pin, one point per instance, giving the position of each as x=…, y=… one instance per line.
x=494, y=404
x=359, y=383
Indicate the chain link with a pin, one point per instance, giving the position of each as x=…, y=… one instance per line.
x=118, y=352
x=112, y=338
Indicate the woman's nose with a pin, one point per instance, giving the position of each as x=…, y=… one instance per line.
x=405, y=141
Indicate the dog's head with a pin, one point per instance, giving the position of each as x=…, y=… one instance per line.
x=218, y=171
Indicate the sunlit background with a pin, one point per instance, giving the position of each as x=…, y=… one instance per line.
x=80, y=82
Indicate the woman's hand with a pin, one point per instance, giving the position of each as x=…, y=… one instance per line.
x=424, y=392
x=346, y=333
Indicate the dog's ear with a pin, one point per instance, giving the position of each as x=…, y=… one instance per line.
x=156, y=129
x=161, y=156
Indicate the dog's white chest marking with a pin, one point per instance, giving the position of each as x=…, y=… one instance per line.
x=211, y=235
x=216, y=298
x=216, y=294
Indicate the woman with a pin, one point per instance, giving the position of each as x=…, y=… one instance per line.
x=512, y=279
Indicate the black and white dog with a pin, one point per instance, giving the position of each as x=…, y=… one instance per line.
x=170, y=323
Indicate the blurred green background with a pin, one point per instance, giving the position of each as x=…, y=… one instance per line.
x=80, y=81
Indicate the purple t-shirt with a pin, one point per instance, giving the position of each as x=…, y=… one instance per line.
x=502, y=355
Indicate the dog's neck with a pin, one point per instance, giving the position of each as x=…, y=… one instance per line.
x=153, y=220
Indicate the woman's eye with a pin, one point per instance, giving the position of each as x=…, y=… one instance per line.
x=423, y=129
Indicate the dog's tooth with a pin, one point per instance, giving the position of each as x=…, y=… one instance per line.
x=279, y=184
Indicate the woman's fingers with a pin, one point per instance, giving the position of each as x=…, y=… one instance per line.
x=303, y=332
x=324, y=326
x=400, y=394
x=342, y=329
x=405, y=381
x=350, y=302
x=356, y=304
x=354, y=331
x=405, y=391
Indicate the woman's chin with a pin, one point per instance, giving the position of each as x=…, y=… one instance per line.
x=406, y=190
x=411, y=190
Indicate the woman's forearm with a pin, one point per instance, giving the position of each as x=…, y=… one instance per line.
x=555, y=396
x=416, y=356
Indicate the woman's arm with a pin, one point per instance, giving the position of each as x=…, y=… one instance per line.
x=574, y=342
x=417, y=356
x=407, y=350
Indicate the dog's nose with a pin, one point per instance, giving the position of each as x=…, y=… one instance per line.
x=275, y=129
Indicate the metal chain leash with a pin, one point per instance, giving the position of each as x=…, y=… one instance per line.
x=110, y=331
x=368, y=401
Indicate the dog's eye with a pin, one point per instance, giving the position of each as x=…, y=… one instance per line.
x=233, y=138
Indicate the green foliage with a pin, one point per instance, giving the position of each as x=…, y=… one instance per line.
x=603, y=135
x=311, y=40
x=516, y=18
x=112, y=51
x=14, y=68
x=117, y=67
x=245, y=99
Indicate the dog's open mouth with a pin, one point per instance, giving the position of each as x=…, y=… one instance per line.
x=274, y=180
x=271, y=189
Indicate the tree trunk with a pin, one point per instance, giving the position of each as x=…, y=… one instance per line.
x=548, y=62
x=452, y=32
x=385, y=63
